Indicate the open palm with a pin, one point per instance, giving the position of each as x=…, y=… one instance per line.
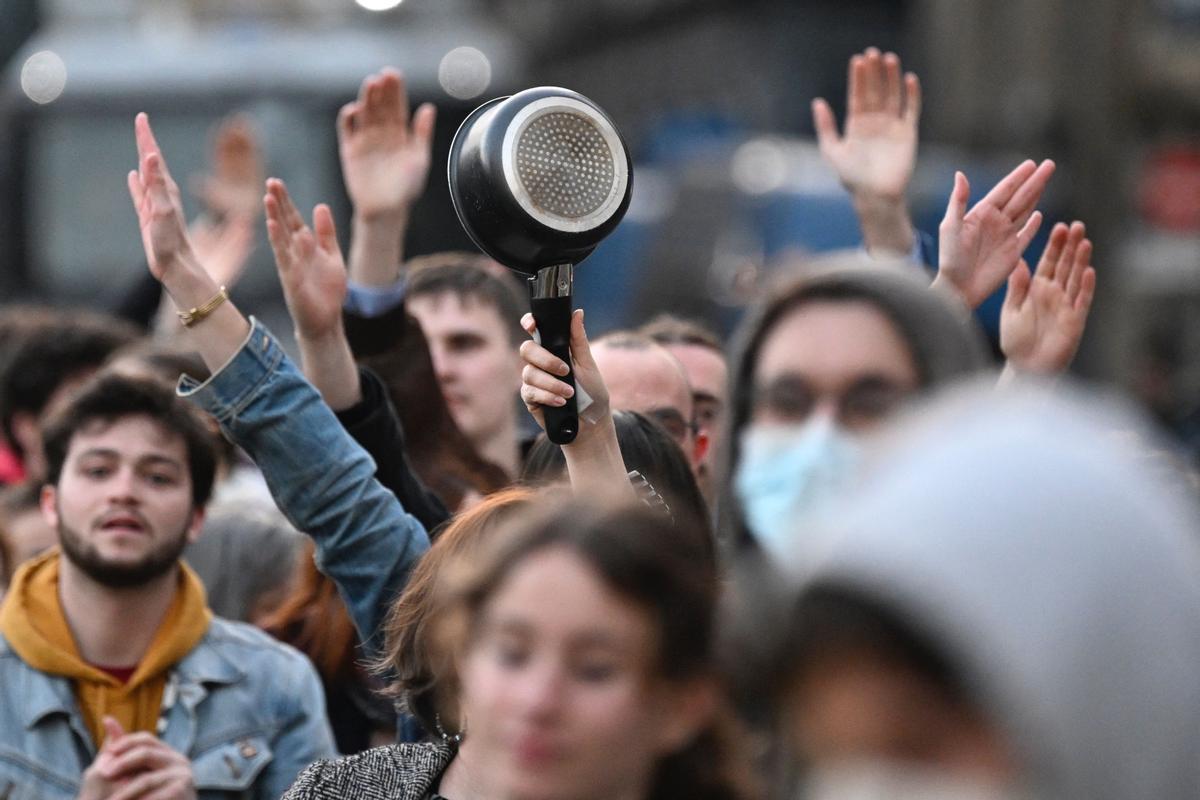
x=311, y=268
x=385, y=161
x=1044, y=315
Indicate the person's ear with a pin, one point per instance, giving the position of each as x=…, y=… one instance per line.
x=196, y=525
x=687, y=707
x=700, y=447
x=48, y=501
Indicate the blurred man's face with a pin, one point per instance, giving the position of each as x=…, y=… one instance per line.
x=841, y=359
x=651, y=382
x=477, y=366
x=708, y=374
x=123, y=504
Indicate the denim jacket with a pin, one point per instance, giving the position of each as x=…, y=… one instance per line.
x=321, y=479
x=247, y=711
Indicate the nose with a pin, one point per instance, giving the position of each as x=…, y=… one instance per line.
x=443, y=364
x=122, y=488
x=542, y=691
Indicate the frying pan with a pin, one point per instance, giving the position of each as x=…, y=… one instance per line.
x=538, y=179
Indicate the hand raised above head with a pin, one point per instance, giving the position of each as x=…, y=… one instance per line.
x=980, y=248
x=877, y=151
x=311, y=268
x=541, y=378
x=1045, y=314
x=158, y=205
x=385, y=160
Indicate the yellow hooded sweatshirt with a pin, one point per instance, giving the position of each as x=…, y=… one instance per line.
x=32, y=620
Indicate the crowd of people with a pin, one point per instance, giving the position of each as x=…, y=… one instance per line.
x=848, y=553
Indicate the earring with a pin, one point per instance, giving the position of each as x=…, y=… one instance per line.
x=448, y=738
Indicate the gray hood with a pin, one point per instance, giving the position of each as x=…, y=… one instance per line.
x=1056, y=566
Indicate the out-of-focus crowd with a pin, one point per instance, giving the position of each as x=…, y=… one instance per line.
x=846, y=554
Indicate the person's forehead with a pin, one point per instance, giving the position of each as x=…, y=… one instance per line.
x=834, y=343
x=445, y=313
x=705, y=367
x=643, y=380
x=133, y=437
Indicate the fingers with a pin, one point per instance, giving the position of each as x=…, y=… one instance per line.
x=1018, y=285
x=347, y=121
x=423, y=124
x=1003, y=191
x=1066, y=259
x=112, y=732
x=1049, y=260
x=130, y=741
x=142, y=785
x=542, y=359
x=144, y=136
x=394, y=96
x=289, y=215
x=581, y=349
x=1027, y=195
x=873, y=80
x=324, y=229
x=956, y=206
x=893, y=97
x=136, y=192
x=1087, y=292
x=824, y=124
x=856, y=98
x=1080, y=264
x=912, y=98
x=141, y=758
x=1029, y=230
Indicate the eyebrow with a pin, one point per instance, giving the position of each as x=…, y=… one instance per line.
x=150, y=458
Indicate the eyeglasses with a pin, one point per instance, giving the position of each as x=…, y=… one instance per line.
x=674, y=423
x=865, y=403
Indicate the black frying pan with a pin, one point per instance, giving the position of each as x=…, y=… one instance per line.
x=538, y=179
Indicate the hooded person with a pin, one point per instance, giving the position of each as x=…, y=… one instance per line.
x=1030, y=628
x=817, y=366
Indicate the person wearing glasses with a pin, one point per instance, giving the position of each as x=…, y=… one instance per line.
x=817, y=369
x=643, y=376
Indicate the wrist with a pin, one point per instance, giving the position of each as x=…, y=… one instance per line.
x=885, y=222
x=377, y=248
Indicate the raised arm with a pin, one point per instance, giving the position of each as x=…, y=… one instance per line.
x=979, y=249
x=321, y=480
x=594, y=461
x=1044, y=314
x=874, y=158
x=385, y=164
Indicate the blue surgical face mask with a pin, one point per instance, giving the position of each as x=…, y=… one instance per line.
x=787, y=474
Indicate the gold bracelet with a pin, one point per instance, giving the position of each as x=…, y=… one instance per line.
x=190, y=318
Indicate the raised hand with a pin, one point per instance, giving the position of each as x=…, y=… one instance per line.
x=385, y=160
x=877, y=153
x=875, y=156
x=233, y=189
x=1044, y=314
x=980, y=248
x=541, y=378
x=310, y=263
x=157, y=202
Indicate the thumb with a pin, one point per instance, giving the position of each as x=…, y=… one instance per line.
x=956, y=206
x=112, y=731
x=324, y=228
x=1018, y=285
x=581, y=350
x=824, y=124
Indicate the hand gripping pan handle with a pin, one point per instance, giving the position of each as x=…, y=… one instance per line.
x=550, y=301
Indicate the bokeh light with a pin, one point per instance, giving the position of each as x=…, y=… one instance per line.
x=465, y=73
x=379, y=5
x=43, y=77
x=759, y=166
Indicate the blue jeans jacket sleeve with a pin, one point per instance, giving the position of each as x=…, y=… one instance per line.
x=321, y=479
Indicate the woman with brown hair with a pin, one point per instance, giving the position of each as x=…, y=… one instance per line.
x=569, y=656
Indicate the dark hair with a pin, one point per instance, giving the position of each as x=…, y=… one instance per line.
x=109, y=397
x=646, y=447
x=465, y=277
x=49, y=352
x=655, y=565
x=163, y=360
x=6, y=559
x=667, y=329
x=407, y=661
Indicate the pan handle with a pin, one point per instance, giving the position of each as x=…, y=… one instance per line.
x=551, y=306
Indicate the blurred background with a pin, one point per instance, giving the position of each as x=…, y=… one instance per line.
x=712, y=96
